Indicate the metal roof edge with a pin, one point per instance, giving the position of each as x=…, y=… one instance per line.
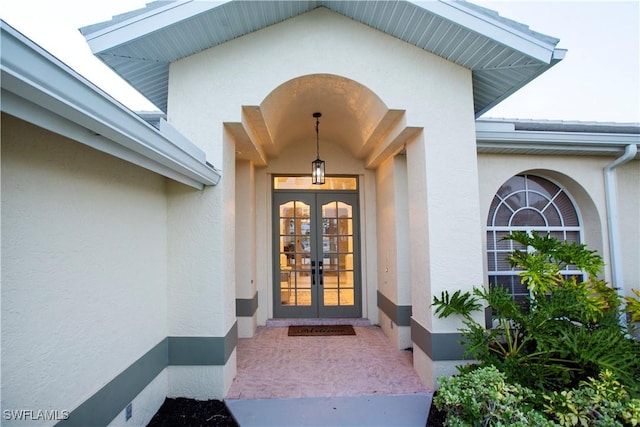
x=586, y=138
x=144, y=23
x=126, y=33
x=103, y=36
x=545, y=125
x=39, y=81
x=495, y=28
x=557, y=56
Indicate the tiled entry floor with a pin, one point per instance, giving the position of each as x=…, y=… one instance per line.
x=274, y=365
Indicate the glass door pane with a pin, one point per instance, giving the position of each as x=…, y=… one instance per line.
x=339, y=249
x=337, y=252
x=295, y=253
x=316, y=258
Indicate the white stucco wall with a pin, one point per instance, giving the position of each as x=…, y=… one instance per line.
x=146, y=404
x=248, y=68
x=386, y=230
x=435, y=93
x=83, y=269
x=394, y=242
x=583, y=178
x=245, y=242
x=201, y=275
x=201, y=382
x=629, y=205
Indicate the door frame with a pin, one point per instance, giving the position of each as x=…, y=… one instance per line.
x=317, y=310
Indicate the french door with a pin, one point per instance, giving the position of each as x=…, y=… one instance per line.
x=317, y=254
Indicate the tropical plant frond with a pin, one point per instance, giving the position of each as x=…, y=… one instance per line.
x=633, y=305
x=459, y=303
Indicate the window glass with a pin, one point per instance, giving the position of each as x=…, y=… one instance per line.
x=344, y=183
x=526, y=203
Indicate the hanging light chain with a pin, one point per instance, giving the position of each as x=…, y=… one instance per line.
x=317, y=116
x=317, y=138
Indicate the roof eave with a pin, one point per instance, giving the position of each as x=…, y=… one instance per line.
x=144, y=23
x=557, y=56
x=40, y=89
x=110, y=42
x=506, y=35
x=501, y=137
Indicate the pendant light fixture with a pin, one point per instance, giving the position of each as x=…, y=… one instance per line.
x=317, y=166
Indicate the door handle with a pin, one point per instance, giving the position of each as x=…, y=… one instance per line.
x=320, y=273
x=313, y=273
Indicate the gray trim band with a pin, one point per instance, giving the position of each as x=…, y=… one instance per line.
x=202, y=351
x=437, y=346
x=247, y=307
x=101, y=408
x=400, y=314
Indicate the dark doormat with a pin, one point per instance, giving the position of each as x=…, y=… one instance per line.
x=320, y=330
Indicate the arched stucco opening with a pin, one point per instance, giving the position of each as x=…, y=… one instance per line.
x=353, y=117
x=405, y=172
x=589, y=217
x=350, y=112
x=277, y=137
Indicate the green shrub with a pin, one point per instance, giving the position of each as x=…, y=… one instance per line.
x=633, y=306
x=570, y=330
x=603, y=402
x=482, y=397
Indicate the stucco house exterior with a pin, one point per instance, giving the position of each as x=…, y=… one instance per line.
x=137, y=248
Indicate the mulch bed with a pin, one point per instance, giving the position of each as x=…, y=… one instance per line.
x=436, y=418
x=181, y=412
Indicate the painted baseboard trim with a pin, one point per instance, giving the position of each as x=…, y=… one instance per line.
x=438, y=347
x=400, y=314
x=247, y=307
x=110, y=400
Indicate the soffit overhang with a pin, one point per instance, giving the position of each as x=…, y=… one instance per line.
x=544, y=137
x=40, y=89
x=503, y=55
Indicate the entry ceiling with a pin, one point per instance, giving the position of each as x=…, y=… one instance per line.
x=341, y=101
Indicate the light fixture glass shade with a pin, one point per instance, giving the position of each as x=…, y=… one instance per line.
x=317, y=171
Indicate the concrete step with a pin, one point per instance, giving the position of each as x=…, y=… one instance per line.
x=410, y=410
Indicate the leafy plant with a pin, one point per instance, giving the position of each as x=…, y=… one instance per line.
x=633, y=306
x=483, y=397
x=570, y=330
x=597, y=402
x=463, y=304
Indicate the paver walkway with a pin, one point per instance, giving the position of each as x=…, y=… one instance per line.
x=359, y=380
x=274, y=365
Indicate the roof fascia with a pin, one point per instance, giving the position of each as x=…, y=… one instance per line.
x=146, y=23
x=40, y=82
x=500, y=136
x=158, y=18
x=492, y=28
x=41, y=117
x=558, y=55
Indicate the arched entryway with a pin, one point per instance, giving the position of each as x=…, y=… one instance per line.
x=405, y=208
x=277, y=138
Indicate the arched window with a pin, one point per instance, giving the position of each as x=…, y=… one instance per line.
x=526, y=203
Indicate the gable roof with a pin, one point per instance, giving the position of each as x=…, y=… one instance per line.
x=502, y=54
